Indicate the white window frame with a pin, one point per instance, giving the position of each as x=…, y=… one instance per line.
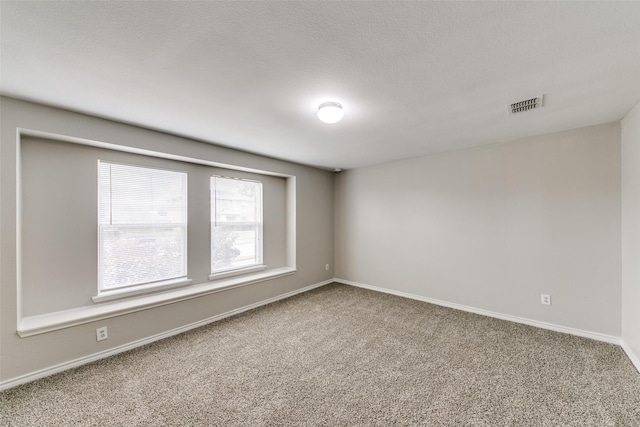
x=108, y=294
x=258, y=265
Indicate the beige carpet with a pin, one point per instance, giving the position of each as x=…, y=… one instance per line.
x=340, y=355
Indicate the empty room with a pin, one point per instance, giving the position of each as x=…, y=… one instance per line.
x=319, y=213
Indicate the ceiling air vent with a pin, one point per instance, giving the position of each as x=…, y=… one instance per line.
x=526, y=105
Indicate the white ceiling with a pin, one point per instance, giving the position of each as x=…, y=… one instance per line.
x=415, y=78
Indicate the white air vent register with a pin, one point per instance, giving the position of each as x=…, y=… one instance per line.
x=525, y=105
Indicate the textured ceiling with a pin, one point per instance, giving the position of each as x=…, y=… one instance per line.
x=415, y=78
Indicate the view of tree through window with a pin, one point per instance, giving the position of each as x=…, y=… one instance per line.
x=236, y=223
x=142, y=221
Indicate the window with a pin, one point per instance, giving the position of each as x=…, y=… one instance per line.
x=236, y=224
x=142, y=222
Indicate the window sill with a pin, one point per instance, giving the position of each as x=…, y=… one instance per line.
x=43, y=323
x=141, y=289
x=237, y=272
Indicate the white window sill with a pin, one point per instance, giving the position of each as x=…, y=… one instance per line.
x=43, y=323
x=165, y=285
x=236, y=272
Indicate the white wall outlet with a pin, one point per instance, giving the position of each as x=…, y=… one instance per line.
x=101, y=334
x=326, y=267
x=545, y=299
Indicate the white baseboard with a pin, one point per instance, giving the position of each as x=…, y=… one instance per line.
x=4, y=385
x=550, y=326
x=631, y=355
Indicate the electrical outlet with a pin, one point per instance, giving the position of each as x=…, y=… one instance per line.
x=101, y=334
x=326, y=267
x=545, y=299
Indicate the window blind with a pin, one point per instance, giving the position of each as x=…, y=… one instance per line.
x=142, y=221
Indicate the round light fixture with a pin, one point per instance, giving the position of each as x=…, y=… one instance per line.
x=330, y=112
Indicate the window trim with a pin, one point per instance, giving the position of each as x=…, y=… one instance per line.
x=145, y=288
x=43, y=323
x=245, y=269
x=39, y=324
x=106, y=294
x=237, y=271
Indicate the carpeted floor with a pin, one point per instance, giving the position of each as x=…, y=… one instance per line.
x=341, y=355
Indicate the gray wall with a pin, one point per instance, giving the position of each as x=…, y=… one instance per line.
x=59, y=209
x=494, y=227
x=22, y=356
x=631, y=232
x=490, y=227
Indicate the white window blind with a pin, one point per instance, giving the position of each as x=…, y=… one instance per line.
x=142, y=221
x=236, y=224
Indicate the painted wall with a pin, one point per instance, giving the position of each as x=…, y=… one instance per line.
x=23, y=356
x=59, y=209
x=631, y=233
x=494, y=227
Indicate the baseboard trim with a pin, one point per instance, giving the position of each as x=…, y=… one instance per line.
x=544, y=325
x=13, y=382
x=631, y=355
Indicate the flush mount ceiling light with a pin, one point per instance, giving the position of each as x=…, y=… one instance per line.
x=330, y=112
